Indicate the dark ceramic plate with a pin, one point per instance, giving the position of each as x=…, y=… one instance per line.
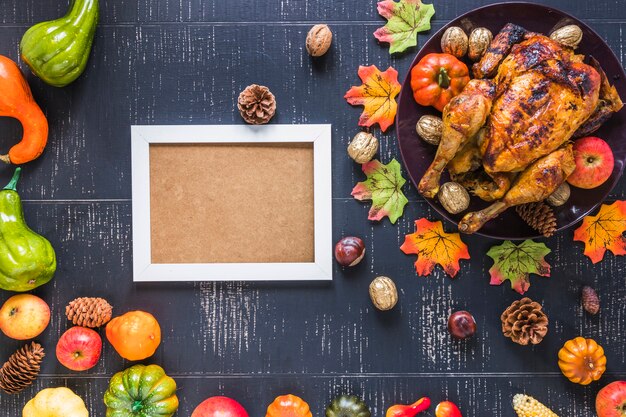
x=417, y=154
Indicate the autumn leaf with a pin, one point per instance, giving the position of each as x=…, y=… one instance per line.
x=604, y=231
x=517, y=262
x=434, y=246
x=405, y=19
x=384, y=187
x=377, y=94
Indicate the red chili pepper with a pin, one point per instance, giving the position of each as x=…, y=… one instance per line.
x=411, y=410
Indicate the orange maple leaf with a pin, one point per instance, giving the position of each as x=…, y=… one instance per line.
x=377, y=94
x=434, y=246
x=604, y=231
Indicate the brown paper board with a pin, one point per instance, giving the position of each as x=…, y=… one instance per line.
x=231, y=203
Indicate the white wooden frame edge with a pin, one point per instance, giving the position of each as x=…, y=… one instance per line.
x=144, y=270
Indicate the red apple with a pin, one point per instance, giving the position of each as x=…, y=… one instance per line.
x=447, y=409
x=79, y=348
x=219, y=407
x=24, y=316
x=611, y=400
x=594, y=163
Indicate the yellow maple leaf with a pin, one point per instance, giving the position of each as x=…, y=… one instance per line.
x=433, y=245
x=604, y=231
x=377, y=94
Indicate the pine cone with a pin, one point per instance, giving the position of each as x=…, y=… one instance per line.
x=22, y=368
x=89, y=311
x=256, y=104
x=539, y=216
x=524, y=322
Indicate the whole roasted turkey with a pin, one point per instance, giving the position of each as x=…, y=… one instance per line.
x=506, y=136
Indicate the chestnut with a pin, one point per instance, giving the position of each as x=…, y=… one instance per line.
x=461, y=325
x=349, y=251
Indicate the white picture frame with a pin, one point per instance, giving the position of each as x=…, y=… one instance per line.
x=317, y=134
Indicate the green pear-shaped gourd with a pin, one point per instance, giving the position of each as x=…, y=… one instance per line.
x=57, y=51
x=27, y=260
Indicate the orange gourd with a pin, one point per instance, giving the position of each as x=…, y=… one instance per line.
x=582, y=360
x=134, y=335
x=16, y=100
x=288, y=406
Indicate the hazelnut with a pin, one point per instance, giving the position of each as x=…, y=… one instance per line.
x=559, y=196
x=590, y=300
x=479, y=41
x=363, y=147
x=569, y=36
x=453, y=197
x=349, y=251
x=383, y=293
x=318, y=40
x=430, y=129
x=461, y=325
x=454, y=42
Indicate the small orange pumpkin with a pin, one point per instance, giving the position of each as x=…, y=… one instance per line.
x=288, y=406
x=582, y=360
x=134, y=335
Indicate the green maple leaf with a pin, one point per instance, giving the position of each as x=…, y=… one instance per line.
x=517, y=262
x=405, y=18
x=384, y=187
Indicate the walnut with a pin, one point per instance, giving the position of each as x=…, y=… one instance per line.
x=454, y=42
x=453, y=197
x=383, y=293
x=318, y=40
x=430, y=129
x=479, y=41
x=569, y=35
x=363, y=147
x=559, y=196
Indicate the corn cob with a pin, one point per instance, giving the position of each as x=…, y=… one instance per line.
x=527, y=406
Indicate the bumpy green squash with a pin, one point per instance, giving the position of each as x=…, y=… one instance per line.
x=347, y=406
x=27, y=260
x=57, y=51
x=141, y=391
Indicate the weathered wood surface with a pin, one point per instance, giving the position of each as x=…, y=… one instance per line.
x=185, y=61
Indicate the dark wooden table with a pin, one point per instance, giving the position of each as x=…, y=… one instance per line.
x=185, y=62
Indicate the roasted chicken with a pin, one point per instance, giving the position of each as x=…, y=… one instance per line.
x=505, y=137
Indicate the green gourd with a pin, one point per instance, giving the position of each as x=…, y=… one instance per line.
x=27, y=260
x=347, y=406
x=57, y=51
x=141, y=391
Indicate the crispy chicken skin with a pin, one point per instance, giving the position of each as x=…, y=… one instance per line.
x=462, y=119
x=498, y=49
x=545, y=97
x=536, y=183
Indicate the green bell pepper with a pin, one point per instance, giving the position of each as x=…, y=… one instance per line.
x=141, y=391
x=27, y=260
x=57, y=51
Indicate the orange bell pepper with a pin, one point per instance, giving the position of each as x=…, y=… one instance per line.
x=437, y=79
x=17, y=101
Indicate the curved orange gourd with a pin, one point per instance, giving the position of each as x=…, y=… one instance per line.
x=135, y=335
x=17, y=101
x=582, y=360
x=288, y=406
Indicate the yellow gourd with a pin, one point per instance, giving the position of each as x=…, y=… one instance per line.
x=582, y=360
x=55, y=402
